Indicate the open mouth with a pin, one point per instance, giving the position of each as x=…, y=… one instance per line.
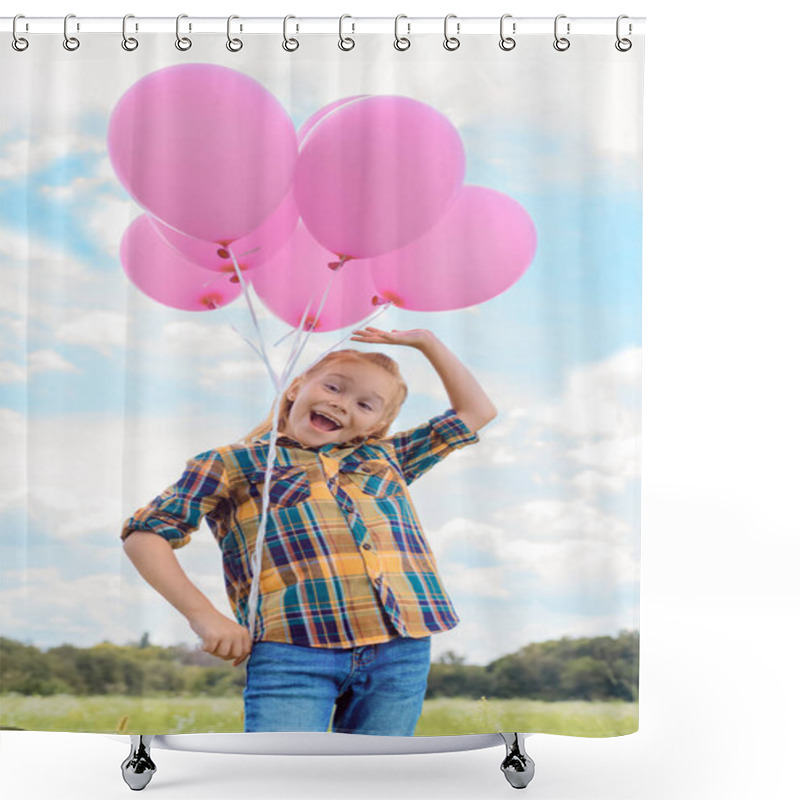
x=324, y=423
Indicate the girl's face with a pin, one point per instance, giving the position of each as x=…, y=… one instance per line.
x=346, y=399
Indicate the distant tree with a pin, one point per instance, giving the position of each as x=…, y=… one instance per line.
x=450, y=658
x=586, y=678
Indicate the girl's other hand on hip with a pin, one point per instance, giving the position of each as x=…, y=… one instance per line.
x=222, y=636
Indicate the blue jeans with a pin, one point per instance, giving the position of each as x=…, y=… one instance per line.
x=374, y=689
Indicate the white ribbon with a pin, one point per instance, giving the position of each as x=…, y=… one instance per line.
x=280, y=383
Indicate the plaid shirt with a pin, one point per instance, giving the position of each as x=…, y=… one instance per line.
x=346, y=562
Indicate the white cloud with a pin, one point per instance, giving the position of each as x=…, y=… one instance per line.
x=38, y=361
x=539, y=546
x=461, y=538
x=562, y=520
x=49, y=361
x=84, y=610
x=25, y=156
x=615, y=457
x=227, y=371
x=107, y=218
x=95, y=328
x=12, y=373
x=186, y=338
x=590, y=482
x=48, y=607
x=599, y=399
x=478, y=581
x=30, y=263
x=46, y=293
x=14, y=461
x=88, y=472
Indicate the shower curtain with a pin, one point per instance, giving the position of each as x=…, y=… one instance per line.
x=394, y=279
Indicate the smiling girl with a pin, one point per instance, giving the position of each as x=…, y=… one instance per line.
x=349, y=589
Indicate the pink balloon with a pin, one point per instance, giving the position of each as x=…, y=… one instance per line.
x=251, y=251
x=375, y=174
x=324, y=111
x=299, y=272
x=167, y=277
x=479, y=248
x=206, y=149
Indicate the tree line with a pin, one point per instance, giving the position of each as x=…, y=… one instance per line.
x=598, y=668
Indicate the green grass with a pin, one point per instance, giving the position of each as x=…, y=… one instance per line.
x=440, y=716
x=453, y=715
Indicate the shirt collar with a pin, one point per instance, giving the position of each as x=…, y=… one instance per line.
x=287, y=441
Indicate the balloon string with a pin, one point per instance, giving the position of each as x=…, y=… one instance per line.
x=257, y=554
x=245, y=286
x=318, y=313
x=283, y=338
x=294, y=330
x=256, y=558
x=369, y=319
x=301, y=338
x=254, y=347
x=278, y=383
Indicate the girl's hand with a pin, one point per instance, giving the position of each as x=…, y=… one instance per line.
x=222, y=637
x=418, y=338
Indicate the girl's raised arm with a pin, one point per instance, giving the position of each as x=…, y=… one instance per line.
x=467, y=397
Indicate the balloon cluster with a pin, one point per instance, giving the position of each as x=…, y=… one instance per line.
x=371, y=186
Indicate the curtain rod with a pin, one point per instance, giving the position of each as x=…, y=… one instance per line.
x=327, y=25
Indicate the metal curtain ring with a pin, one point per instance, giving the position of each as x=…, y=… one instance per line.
x=290, y=45
x=346, y=43
x=506, y=42
x=234, y=45
x=129, y=43
x=623, y=45
x=451, y=42
x=401, y=43
x=181, y=42
x=70, y=42
x=561, y=43
x=19, y=43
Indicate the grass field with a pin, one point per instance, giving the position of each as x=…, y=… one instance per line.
x=440, y=716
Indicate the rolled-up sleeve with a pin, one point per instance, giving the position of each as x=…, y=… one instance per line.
x=419, y=449
x=180, y=508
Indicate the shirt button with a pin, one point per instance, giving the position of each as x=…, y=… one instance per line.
x=367, y=546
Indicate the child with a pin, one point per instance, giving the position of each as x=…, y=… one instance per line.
x=349, y=590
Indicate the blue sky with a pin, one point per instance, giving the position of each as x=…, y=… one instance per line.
x=105, y=394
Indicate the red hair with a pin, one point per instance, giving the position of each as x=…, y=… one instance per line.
x=379, y=359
